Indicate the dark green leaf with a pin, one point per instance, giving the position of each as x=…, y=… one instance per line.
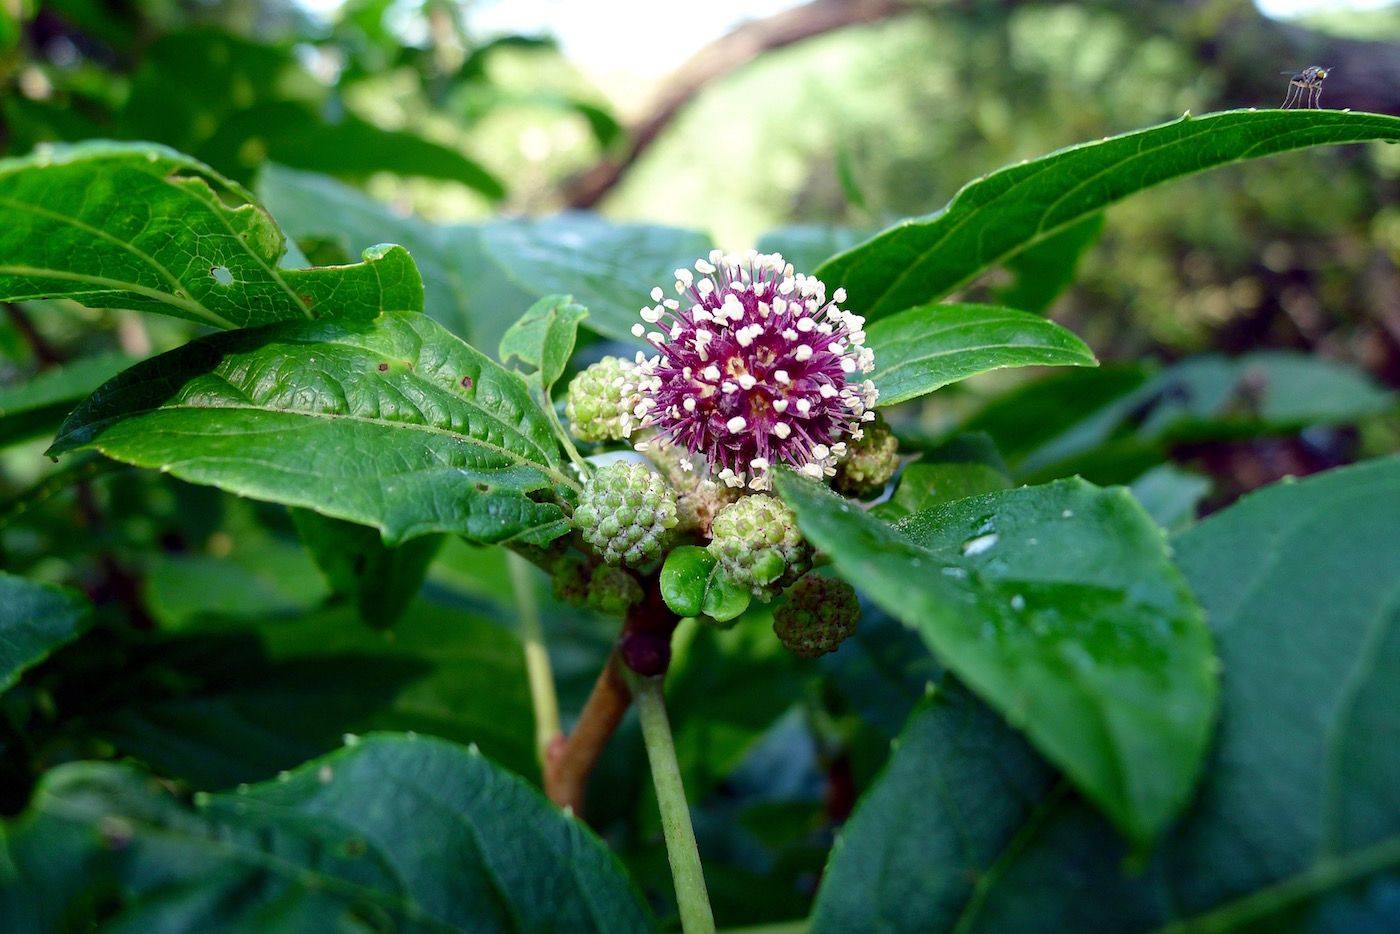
x=482, y=277
x=214, y=706
x=608, y=268
x=959, y=785
x=544, y=338
x=38, y=406
x=926, y=348
x=692, y=585
x=379, y=580
x=260, y=576
x=35, y=619
x=924, y=485
x=1058, y=605
x=395, y=832
x=924, y=259
x=1044, y=271
x=393, y=423
x=1295, y=827
x=139, y=226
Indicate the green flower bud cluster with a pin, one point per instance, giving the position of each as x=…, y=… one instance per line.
x=820, y=614
x=757, y=544
x=611, y=591
x=626, y=512
x=602, y=400
x=869, y=463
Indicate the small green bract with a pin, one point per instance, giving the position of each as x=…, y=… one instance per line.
x=758, y=546
x=820, y=614
x=626, y=513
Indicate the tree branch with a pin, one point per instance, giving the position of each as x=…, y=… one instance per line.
x=716, y=60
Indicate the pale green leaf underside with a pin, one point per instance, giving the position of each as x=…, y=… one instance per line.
x=400, y=833
x=926, y=348
x=393, y=423
x=137, y=225
x=35, y=619
x=923, y=259
x=1059, y=607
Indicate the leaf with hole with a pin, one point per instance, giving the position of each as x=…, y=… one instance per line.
x=136, y=225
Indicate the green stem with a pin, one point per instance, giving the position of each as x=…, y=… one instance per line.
x=541, y=677
x=585, y=468
x=691, y=895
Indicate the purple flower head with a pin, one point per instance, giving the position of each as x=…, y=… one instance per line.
x=753, y=368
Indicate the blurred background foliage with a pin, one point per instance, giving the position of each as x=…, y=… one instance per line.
x=212, y=613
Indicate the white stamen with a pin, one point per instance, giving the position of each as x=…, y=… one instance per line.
x=804, y=353
x=780, y=406
x=657, y=294
x=638, y=330
x=781, y=429
x=736, y=423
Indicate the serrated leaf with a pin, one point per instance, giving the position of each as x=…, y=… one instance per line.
x=410, y=834
x=1299, y=583
x=923, y=259
x=926, y=348
x=544, y=338
x=35, y=619
x=39, y=405
x=136, y=225
x=392, y=423
x=379, y=581
x=1059, y=607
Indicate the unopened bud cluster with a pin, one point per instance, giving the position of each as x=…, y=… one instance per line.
x=601, y=401
x=626, y=512
x=869, y=462
x=756, y=542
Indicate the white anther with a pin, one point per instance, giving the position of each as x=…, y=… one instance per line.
x=736, y=423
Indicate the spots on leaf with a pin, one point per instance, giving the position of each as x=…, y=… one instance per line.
x=221, y=275
x=383, y=367
x=467, y=382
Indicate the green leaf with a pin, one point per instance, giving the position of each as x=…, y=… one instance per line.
x=923, y=259
x=1295, y=826
x=482, y=276
x=392, y=423
x=38, y=406
x=393, y=833
x=380, y=581
x=139, y=226
x=924, y=485
x=959, y=785
x=1113, y=428
x=211, y=705
x=692, y=585
x=926, y=348
x=1045, y=270
x=544, y=338
x=1170, y=495
x=1059, y=607
x=35, y=619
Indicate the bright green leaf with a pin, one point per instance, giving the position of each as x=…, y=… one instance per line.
x=926, y=348
x=392, y=423
x=379, y=580
x=926, y=484
x=1045, y=270
x=139, y=226
x=692, y=585
x=35, y=619
x=393, y=832
x=1059, y=607
x=924, y=259
x=544, y=338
